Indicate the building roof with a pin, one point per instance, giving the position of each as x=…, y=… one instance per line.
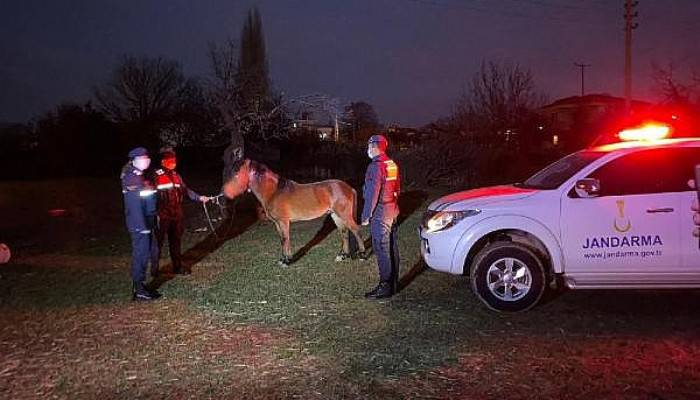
x=592, y=99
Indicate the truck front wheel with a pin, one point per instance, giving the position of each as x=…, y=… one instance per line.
x=508, y=276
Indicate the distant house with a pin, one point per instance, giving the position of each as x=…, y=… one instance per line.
x=325, y=131
x=573, y=122
x=402, y=137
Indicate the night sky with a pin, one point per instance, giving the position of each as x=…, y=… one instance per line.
x=409, y=58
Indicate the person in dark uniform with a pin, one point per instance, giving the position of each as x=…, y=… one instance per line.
x=381, y=208
x=171, y=191
x=140, y=210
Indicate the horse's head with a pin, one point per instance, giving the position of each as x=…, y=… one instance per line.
x=237, y=180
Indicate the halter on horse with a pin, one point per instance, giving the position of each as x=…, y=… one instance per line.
x=286, y=201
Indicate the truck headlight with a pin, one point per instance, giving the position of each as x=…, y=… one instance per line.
x=446, y=219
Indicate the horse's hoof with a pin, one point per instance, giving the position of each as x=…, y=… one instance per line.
x=341, y=257
x=363, y=256
x=284, y=263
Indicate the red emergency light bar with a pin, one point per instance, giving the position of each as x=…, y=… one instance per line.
x=646, y=132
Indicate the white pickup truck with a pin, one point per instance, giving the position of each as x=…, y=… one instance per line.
x=615, y=216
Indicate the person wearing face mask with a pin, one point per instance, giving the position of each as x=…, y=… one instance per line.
x=171, y=191
x=140, y=210
x=381, y=208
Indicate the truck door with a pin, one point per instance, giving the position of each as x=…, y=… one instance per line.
x=689, y=244
x=633, y=225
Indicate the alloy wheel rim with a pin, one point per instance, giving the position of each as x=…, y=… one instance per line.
x=509, y=279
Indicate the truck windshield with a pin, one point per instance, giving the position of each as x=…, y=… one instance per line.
x=559, y=172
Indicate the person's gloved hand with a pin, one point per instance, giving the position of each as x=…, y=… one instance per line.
x=204, y=199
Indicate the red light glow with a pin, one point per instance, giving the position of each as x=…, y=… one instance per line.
x=646, y=132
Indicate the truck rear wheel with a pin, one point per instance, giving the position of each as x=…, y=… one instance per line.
x=508, y=276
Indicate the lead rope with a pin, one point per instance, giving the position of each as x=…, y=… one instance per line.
x=211, y=225
x=222, y=216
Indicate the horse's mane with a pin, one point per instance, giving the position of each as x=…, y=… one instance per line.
x=260, y=170
x=235, y=167
x=232, y=169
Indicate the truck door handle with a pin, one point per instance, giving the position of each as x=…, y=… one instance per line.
x=659, y=210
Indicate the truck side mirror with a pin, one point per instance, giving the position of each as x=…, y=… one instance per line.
x=587, y=188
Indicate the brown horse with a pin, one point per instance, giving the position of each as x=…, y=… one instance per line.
x=285, y=201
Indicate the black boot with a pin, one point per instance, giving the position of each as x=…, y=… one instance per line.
x=382, y=291
x=363, y=255
x=153, y=292
x=140, y=293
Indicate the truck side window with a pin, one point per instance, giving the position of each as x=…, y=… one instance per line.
x=648, y=171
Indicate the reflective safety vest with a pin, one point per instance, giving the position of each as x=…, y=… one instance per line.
x=167, y=180
x=171, y=190
x=392, y=182
x=381, y=189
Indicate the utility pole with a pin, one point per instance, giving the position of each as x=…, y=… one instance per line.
x=336, y=130
x=630, y=15
x=583, y=81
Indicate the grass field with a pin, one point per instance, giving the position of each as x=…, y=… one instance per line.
x=242, y=327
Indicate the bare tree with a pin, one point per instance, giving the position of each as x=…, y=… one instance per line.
x=672, y=86
x=360, y=121
x=445, y=158
x=242, y=86
x=196, y=123
x=246, y=112
x=251, y=110
x=498, y=101
x=488, y=137
x=144, y=89
x=228, y=99
x=150, y=98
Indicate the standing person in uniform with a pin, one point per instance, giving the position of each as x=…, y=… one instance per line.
x=140, y=210
x=171, y=190
x=381, y=195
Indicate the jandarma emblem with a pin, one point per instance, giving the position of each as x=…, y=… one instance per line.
x=622, y=224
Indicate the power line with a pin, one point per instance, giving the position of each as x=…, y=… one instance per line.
x=558, y=6
x=504, y=13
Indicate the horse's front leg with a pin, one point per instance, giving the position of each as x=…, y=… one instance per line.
x=283, y=230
